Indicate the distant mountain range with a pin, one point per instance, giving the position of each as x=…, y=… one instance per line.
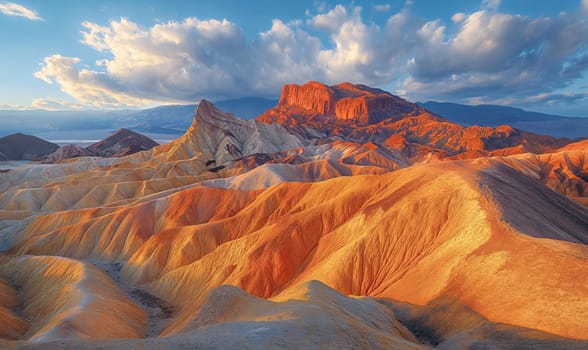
x=493, y=115
x=171, y=119
x=175, y=119
x=344, y=216
x=26, y=147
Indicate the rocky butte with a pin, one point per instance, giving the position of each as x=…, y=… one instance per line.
x=342, y=217
x=357, y=104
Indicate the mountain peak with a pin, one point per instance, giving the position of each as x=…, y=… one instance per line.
x=122, y=142
x=207, y=112
x=204, y=104
x=20, y=146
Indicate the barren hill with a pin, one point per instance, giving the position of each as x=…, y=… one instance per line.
x=321, y=228
x=24, y=147
x=122, y=143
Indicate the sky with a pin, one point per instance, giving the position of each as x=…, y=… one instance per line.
x=69, y=54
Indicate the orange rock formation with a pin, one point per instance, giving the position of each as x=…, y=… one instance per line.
x=344, y=216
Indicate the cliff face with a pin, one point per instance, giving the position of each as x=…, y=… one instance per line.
x=363, y=114
x=156, y=245
x=357, y=104
x=313, y=97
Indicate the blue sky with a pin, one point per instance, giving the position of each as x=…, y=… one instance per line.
x=134, y=54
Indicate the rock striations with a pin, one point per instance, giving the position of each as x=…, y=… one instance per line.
x=356, y=104
x=342, y=217
x=362, y=114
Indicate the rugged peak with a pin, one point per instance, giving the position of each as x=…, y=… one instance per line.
x=349, y=102
x=217, y=137
x=208, y=113
x=204, y=106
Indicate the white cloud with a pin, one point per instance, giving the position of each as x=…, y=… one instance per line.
x=383, y=7
x=486, y=53
x=585, y=5
x=12, y=9
x=187, y=60
x=491, y=5
x=497, y=54
x=459, y=17
x=331, y=20
x=51, y=104
x=14, y=107
x=320, y=6
x=87, y=86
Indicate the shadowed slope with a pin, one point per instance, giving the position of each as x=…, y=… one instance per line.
x=12, y=325
x=566, y=171
x=24, y=147
x=269, y=209
x=411, y=235
x=122, y=143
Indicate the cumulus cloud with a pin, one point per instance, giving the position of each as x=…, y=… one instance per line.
x=458, y=17
x=87, y=86
x=383, y=7
x=491, y=5
x=481, y=54
x=50, y=104
x=184, y=61
x=494, y=53
x=14, y=107
x=12, y=9
x=558, y=98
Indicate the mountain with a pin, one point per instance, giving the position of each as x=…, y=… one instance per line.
x=67, y=152
x=492, y=115
x=175, y=119
x=362, y=114
x=247, y=108
x=122, y=143
x=320, y=106
x=37, y=122
x=171, y=119
x=342, y=217
x=24, y=147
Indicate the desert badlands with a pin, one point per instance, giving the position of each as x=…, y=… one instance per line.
x=342, y=218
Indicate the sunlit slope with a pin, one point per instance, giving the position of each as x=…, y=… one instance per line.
x=64, y=298
x=412, y=235
x=199, y=155
x=475, y=249
x=312, y=316
x=293, y=321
